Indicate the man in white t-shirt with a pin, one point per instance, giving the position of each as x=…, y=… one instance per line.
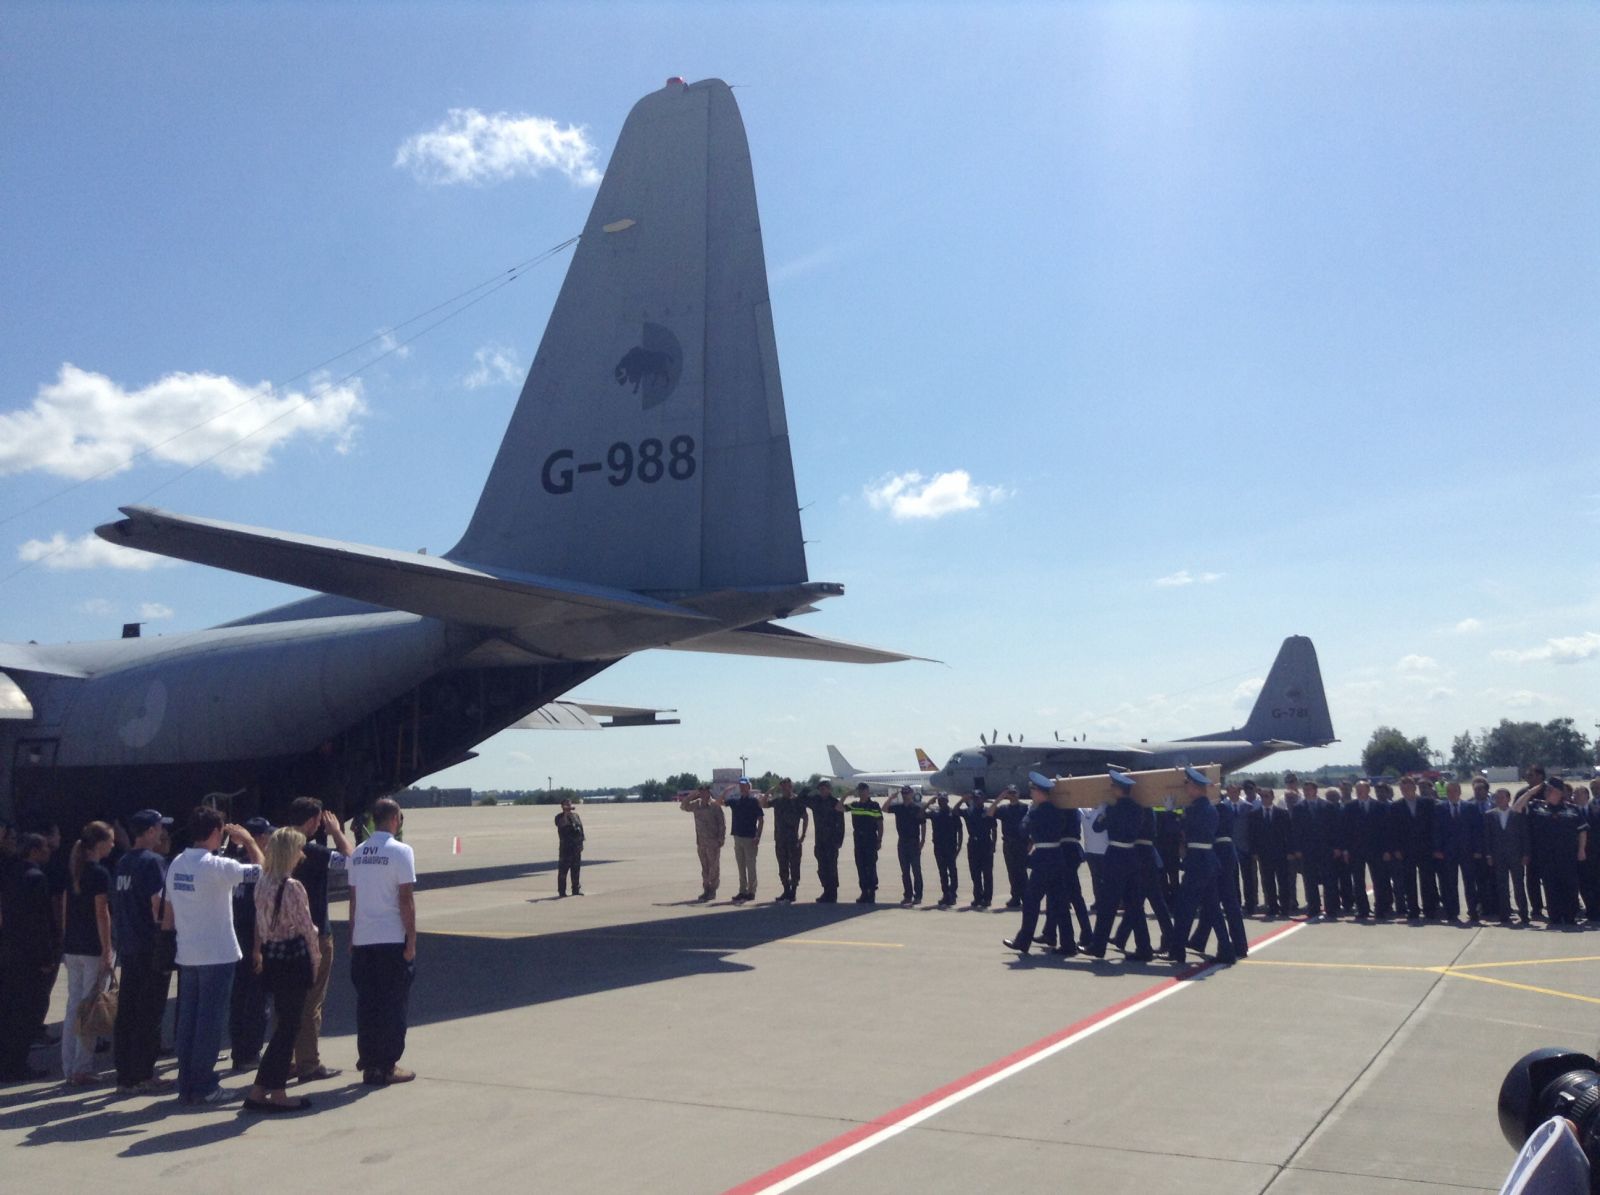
x=1094, y=848
x=199, y=896
x=383, y=945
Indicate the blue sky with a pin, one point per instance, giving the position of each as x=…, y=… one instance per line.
x=1292, y=307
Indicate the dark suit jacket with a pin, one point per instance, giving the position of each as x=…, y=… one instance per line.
x=1270, y=835
x=1366, y=828
x=1413, y=832
x=1458, y=835
x=1508, y=845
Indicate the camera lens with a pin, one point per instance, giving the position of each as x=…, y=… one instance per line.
x=1548, y=1083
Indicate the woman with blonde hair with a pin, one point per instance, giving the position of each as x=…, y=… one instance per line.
x=86, y=946
x=286, y=953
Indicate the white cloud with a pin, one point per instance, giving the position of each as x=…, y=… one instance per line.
x=1184, y=577
x=471, y=147
x=1246, y=691
x=89, y=551
x=1415, y=665
x=389, y=345
x=154, y=611
x=1567, y=650
x=908, y=496
x=99, y=607
x=84, y=425
x=1468, y=626
x=1441, y=693
x=494, y=365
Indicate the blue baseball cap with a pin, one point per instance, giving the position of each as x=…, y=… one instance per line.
x=145, y=819
x=1196, y=776
x=258, y=826
x=1122, y=780
x=1041, y=782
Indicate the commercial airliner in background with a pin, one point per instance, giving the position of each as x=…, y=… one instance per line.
x=643, y=497
x=1290, y=713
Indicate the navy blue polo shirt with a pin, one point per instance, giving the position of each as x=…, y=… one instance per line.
x=745, y=812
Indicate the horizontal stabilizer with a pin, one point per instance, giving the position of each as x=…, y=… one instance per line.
x=770, y=639
x=426, y=585
x=586, y=715
x=28, y=657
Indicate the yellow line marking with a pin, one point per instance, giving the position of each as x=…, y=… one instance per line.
x=735, y=943
x=1531, y=962
x=1456, y=972
x=1337, y=966
x=1523, y=987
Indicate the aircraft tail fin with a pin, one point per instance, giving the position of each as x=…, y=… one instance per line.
x=840, y=765
x=925, y=764
x=649, y=449
x=1292, y=706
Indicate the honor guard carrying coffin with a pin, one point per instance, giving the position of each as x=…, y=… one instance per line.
x=1149, y=865
x=1121, y=884
x=1059, y=914
x=1044, y=824
x=1197, y=895
x=1231, y=939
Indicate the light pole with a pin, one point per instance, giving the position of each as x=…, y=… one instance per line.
x=744, y=761
x=548, y=786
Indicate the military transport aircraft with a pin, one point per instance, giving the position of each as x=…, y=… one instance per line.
x=1290, y=713
x=643, y=497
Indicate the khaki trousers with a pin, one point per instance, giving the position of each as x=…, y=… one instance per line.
x=710, y=863
x=744, y=854
x=306, y=1058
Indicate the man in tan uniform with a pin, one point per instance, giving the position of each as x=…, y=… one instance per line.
x=710, y=832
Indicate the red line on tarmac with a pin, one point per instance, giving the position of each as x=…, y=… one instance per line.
x=863, y=1137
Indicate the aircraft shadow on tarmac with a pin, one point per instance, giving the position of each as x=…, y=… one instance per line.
x=461, y=976
x=433, y=881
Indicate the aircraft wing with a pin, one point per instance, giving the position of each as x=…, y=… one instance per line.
x=426, y=585
x=586, y=715
x=770, y=639
x=27, y=657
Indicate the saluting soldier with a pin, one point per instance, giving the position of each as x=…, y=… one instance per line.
x=946, y=824
x=1044, y=824
x=910, y=831
x=866, y=822
x=980, y=847
x=827, y=820
x=1121, y=883
x=790, y=821
x=1008, y=812
x=1197, y=898
x=1560, y=840
x=569, y=832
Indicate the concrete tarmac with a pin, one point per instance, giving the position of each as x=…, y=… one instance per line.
x=631, y=1039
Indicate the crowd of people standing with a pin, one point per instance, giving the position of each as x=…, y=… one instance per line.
x=1414, y=848
x=240, y=916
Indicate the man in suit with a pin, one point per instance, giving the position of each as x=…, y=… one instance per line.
x=1505, y=840
x=1484, y=870
x=1457, y=843
x=1271, y=837
x=1386, y=872
x=1313, y=844
x=1244, y=843
x=1413, y=845
x=1364, y=845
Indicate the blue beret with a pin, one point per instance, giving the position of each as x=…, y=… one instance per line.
x=1196, y=776
x=1122, y=780
x=1043, y=783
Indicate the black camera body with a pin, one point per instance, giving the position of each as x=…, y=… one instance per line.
x=1548, y=1083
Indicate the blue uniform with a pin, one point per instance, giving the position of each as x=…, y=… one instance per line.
x=1121, y=887
x=1147, y=858
x=1043, y=827
x=1059, y=914
x=1230, y=929
x=1197, y=895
